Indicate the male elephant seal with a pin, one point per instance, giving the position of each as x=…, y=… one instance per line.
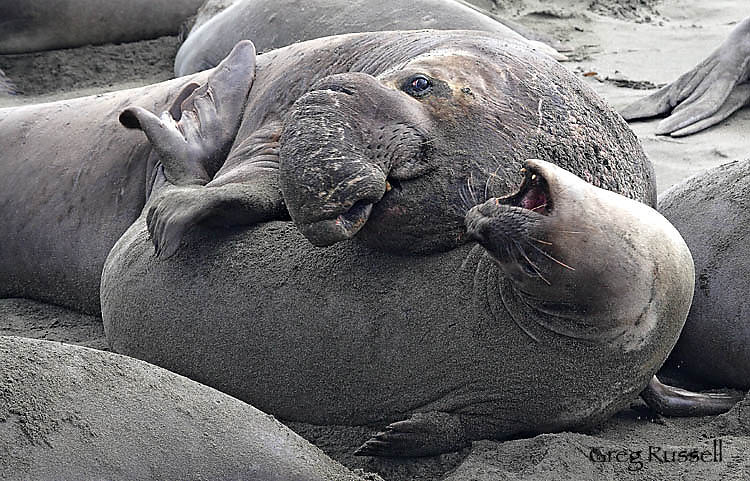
x=711, y=212
x=66, y=197
x=34, y=25
x=71, y=413
x=277, y=23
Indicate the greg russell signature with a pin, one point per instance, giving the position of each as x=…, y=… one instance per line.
x=636, y=459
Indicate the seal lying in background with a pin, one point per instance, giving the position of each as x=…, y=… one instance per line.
x=34, y=25
x=711, y=212
x=71, y=412
x=277, y=23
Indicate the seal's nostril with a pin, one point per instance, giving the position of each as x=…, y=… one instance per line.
x=339, y=88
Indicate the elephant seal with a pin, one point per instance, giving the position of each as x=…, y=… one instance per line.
x=713, y=344
x=272, y=24
x=69, y=412
x=36, y=25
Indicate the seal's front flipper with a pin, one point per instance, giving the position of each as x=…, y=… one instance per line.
x=677, y=402
x=245, y=191
x=193, y=140
x=424, y=434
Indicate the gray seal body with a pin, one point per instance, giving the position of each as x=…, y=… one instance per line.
x=273, y=24
x=35, y=25
x=72, y=413
x=713, y=346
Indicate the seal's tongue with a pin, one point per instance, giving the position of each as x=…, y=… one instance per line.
x=535, y=198
x=533, y=193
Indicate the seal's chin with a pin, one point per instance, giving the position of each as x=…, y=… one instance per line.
x=533, y=194
x=345, y=226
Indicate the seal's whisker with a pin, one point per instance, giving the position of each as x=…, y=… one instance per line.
x=466, y=204
x=469, y=181
x=542, y=206
x=533, y=266
x=487, y=184
x=552, y=258
x=540, y=241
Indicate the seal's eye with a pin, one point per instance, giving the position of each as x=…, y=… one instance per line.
x=418, y=86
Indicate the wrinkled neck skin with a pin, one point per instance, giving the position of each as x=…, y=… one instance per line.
x=585, y=263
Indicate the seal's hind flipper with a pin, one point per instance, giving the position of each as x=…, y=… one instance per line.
x=194, y=136
x=423, y=434
x=6, y=86
x=678, y=402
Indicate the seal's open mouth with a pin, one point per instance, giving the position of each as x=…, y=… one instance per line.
x=344, y=226
x=533, y=194
x=352, y=220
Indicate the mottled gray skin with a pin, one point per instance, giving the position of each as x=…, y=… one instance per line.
x=35, y=25
x=277, y=23
x=72, y=413
x=406, y=318
x=714, y=343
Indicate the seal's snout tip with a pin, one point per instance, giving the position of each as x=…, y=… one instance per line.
x=533, y=194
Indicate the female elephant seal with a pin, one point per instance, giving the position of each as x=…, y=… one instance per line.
x=557, y=319
x=69, y=413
